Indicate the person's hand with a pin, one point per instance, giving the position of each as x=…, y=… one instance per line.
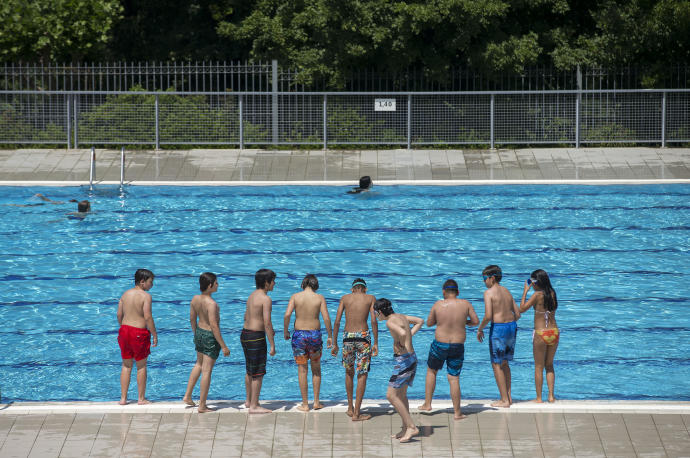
x=480, y=335
x=527, y=286
x=273, y=351
x=155, y=341
x=334, y=351
x=329, y=342
x=375, y=350
x=226, y=351
x=286, y=334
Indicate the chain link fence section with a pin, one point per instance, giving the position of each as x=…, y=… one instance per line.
x=327, y=118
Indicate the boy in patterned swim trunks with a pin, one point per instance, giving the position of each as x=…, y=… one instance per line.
x=306, y=339
x=450, y=316
x=136, y=328
x=207, y=339
x=258, y=328
x=405, y=363
x=357, y=349
x=502, y=311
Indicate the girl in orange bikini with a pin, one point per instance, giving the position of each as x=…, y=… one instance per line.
x=546, y=334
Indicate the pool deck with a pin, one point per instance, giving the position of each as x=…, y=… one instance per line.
x=565, y=428
x=340, y=167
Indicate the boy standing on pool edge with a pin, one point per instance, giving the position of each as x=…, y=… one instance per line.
x=257, y=327
x=134, y=337
x=499, y=308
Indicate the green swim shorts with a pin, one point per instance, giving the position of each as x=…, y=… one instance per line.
x=205, y=343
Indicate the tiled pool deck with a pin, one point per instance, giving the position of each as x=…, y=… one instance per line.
x=566, y=428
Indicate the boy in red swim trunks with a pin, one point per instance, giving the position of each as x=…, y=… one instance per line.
x=136, y=329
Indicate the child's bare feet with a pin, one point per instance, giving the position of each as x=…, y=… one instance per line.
x=425, y=407
x=537, y=400
x=318, y=406
x=259, y=409
x=189, y=402
x=303, y=408
x=142, y=402
x=552, y=399
x=459, y=416
x=361, y=417
x=400, y=434
x=410, y=432
x=500, y=403
x=123, y=402
x=204, y=409
x=349, y=412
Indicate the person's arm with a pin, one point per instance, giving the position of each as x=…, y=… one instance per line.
x=431, y=319
x=192, y=317
x=516, y=310
x=374, y=328
x=268, y=326
x=524, y=306
x=327, y=322
x=473, y=319
x=488, y=315
x=336, y=327
x=416, y=321
x=287, y=316
x=214, y=321
x=120, y=312
x=148, y=317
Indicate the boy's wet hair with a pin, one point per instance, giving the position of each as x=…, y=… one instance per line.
x=452, y=286
x=206, y=279
x=493, y=271
x=142, y=275
x=263, y=277
x=358, y=284
x=384, y=306
x=365, y=182
x=83, y=206
x=311, y=281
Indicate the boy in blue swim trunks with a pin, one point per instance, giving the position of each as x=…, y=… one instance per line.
x=502, y=311
x=450, y=316
x=306, y=339
x=405, y=363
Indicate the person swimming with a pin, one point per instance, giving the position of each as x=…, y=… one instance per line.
x=546, y=333
x=365, y=184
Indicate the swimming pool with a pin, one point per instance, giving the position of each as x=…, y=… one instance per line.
x=617, y=256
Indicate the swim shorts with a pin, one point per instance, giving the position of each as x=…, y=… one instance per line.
x=306, y=344
x=255, y=351
x=205, y=343
x=453, y=354
x=404, y=370
x=502, y=341
x=134, y=342
x=357, y=351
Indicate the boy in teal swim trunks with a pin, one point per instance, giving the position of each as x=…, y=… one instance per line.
x=502, y=311
x=207, y=339
x=306, y=339
x=450, y=316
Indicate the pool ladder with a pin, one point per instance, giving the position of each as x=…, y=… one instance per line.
x=92, y=168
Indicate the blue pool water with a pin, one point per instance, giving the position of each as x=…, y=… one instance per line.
x=617, y=255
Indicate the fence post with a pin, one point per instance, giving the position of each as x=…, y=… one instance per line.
x=491, y=124
x=274, y=101
x=577, y=120
x=75, y=97
x=158, y=143
x=409, y=121
x=325, y=122
x=241, y=123
x=663, y=120
x=68, y=102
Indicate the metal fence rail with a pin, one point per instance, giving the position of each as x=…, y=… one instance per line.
x=339, y=118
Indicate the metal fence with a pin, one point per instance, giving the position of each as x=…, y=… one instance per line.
x=264, y=76
x=336, y=118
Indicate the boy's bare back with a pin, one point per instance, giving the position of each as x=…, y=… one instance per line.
x=450, y=317
x=132, y=304
x=357, y=307
x=503, y=306
x=206, y=310
x=308, y=305
x=254, y=315
x=399, y=327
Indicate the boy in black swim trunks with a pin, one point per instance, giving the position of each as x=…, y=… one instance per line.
x=258, y=328
x=207, y=339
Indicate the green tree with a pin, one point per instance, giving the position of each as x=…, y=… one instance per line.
x=54, y=30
